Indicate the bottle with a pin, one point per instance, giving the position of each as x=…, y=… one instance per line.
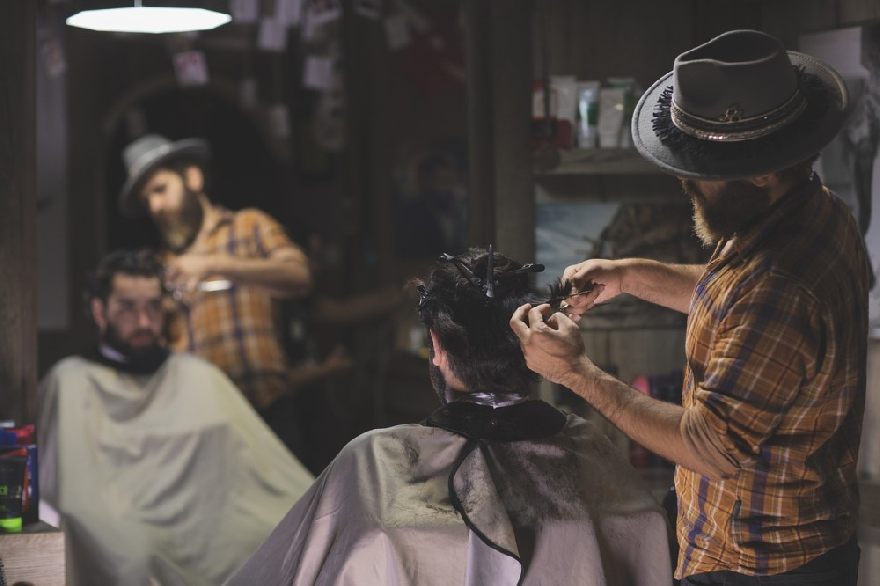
x=588, y=113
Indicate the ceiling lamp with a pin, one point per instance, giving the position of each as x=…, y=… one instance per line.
x=144, y=19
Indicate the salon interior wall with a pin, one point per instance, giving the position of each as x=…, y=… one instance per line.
x=17, y=211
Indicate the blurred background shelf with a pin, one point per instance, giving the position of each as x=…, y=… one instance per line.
x=617, y=161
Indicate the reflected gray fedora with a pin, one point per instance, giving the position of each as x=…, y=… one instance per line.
x=148, y=153
x=739, y=106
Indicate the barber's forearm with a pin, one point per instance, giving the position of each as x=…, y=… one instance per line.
x=284, y=277
x=669, y=285
x=656, y=425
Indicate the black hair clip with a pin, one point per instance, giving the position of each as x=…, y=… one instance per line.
x=488, y=283
x=462, y=268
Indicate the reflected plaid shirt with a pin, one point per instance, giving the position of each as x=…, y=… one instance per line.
x=236, y=329
x=776, y=352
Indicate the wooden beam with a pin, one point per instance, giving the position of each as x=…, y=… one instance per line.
x=499, y=72
x=18, y=319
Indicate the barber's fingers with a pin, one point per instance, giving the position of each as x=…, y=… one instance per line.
x=579, y=273
x=581, y=303
x=537, y=316
x=527, y=320
x=519, y=322
x=561, y=322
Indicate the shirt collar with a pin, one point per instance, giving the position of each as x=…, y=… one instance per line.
x=220, y=217
x=785, y=207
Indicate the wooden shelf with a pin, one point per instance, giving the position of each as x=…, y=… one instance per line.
x=597, y=162
x=35, y=556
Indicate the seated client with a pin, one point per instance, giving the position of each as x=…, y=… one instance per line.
x=493, y=488
x=160, y=470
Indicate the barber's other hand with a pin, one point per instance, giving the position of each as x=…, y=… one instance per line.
x=607, y=276
x=553, y=348
x=184, y=273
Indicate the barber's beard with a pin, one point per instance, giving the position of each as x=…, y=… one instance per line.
x=737, y=206
x=145, y=359
x=179, y=231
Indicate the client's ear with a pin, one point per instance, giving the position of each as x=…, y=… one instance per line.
x=440, y=359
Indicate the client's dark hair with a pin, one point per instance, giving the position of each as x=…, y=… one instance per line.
x=473, y=328
x=139, y=263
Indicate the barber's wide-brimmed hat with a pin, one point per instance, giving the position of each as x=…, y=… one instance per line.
x=739, y=106
x=148, y=153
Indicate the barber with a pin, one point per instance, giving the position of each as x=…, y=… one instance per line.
x=766, y=440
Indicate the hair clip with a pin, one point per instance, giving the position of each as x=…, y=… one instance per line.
x=462, y=268
x=531, y=267
x=489, y=281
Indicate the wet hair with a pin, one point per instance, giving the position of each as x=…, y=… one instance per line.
x=138, y=263
x=474, y=328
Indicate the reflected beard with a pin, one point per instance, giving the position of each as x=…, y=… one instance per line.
x=179, y=232
x=738, y=205
x=145, y=359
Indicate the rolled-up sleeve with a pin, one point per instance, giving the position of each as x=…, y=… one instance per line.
x=768, y=347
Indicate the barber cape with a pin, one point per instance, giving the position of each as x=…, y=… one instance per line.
x=164, y=479
x=476, y=496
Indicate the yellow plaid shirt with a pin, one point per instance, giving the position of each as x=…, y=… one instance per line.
x=776, y=353
x=236, y=329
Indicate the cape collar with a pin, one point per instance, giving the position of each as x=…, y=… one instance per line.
x=529, y=420
x=109, y=357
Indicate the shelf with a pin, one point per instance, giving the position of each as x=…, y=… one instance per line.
x=35, y=556
x=596, y=162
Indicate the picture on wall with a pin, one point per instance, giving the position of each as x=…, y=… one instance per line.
x=850, y=165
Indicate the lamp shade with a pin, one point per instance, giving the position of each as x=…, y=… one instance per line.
x=144, y=19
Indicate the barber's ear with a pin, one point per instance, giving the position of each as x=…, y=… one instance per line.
x=440, y=359
x=98, y=314
x=194, y=178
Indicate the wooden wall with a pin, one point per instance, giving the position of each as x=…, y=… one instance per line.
x=637, y=38
x=18, y=334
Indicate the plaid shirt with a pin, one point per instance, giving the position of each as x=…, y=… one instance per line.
x=236, y=329
x=776, y=353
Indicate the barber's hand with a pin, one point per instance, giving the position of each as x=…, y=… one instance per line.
x=607, y=276
x=184, y=273
x=553, y=348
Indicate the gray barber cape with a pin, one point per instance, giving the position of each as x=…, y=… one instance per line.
x=476, y=496
x=165, y=479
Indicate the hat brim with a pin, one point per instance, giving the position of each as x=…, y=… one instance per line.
x=193, y=149
x=791, y=144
